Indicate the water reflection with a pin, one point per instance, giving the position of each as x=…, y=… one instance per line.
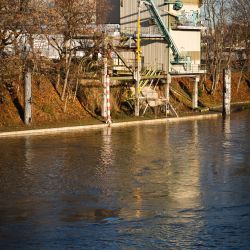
x=106, y=156
x=184, y=179
x=171, y=186
x=227, y=138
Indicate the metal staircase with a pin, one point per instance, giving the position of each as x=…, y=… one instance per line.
x=151, y=6
x=148, y=94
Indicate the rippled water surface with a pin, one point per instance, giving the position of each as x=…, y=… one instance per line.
x=170, y=186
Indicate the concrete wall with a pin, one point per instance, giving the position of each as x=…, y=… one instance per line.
x=188, y=43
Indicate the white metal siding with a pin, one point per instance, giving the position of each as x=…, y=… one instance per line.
x=155, y=52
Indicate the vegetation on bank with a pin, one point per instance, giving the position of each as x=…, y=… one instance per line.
x=85, y=108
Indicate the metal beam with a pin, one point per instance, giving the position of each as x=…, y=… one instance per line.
x=124, y=78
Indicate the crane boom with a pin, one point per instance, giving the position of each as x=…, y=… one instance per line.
x=151, y=6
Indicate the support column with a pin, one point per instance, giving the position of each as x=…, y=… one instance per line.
x=195, y=92
x=104, y=83
x=138, y=60
x=108, y=100
x=27, y=98
x=226, y=91
x=167, y=94
x=137, y=100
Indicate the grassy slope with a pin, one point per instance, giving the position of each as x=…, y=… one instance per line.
x=185, y=86
x=48, y=108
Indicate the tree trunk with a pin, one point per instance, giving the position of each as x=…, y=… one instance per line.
x=68, y=63
x=77, y=83
x=58, y=80
x=241, y=73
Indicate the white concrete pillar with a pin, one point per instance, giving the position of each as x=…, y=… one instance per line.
x=195, y=92
x=226, y=91
x=27, y=98
x=138, y=60
x=104, y=83
x=167, y=94
x=137, y=92
x=108, y=120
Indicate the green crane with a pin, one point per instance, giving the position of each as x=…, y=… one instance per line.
x=151, y=6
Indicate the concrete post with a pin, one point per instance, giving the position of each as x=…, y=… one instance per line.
x=27, y=98
x=138, y=59
x=195, y=93
x=104, y=83
x=137, y=100
x=226, y=91
x=108, y=100
x=167, y=94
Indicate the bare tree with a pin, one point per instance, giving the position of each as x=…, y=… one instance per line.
x=72, y=21
x=218, y=36
x=68, y=25
x=19, y=20
x=241, y=22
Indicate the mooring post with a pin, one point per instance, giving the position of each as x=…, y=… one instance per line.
x=195, y=93
x=104, y=84
x=27, y=98
x=167, y=94
x=226, y=91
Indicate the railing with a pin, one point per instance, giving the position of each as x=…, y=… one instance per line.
x=156, y=66
x=188, y=69
x=150, y=30
x=189, y=18
x=175, y=69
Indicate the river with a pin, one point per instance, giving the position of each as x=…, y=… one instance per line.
x=168, y=186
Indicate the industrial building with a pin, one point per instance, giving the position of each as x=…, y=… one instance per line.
x=161, y=39
x=165, y=30
x=154, y=42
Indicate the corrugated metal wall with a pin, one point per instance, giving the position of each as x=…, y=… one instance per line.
x=128, y=15
x=154, y=52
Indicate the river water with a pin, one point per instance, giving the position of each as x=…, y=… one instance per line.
x=170, y=186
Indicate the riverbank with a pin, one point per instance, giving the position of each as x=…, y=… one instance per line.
x=68, y=129
x=48, y=111
x=90, y=124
